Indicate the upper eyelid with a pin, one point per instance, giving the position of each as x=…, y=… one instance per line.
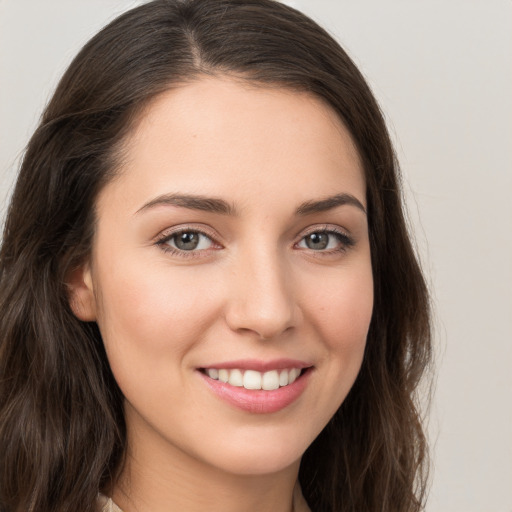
x=324, y=228
x=176, y=230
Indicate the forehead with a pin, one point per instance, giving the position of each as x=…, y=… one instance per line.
x=219, y=135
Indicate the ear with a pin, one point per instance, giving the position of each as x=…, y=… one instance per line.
x=81, y=293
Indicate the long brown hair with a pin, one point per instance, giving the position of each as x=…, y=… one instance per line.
x=62, y=431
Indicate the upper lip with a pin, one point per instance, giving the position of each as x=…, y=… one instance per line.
x=258, y=365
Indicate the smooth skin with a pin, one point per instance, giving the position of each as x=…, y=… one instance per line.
x=264, y=269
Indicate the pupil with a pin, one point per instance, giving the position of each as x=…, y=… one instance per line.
x=187, y=241
x=317, y=240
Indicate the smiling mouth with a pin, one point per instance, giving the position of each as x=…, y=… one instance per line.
x=254, y=380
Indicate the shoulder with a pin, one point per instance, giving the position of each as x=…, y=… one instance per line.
x=105, y=504
x=299, y=503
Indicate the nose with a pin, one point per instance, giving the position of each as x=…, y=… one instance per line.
x=261, y=299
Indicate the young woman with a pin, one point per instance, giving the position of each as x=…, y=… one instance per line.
x=208, y=295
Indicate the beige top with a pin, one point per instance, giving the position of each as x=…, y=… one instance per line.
x=299, y=503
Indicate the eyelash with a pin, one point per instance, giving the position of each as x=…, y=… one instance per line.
x=345, y=241
x=166, y=237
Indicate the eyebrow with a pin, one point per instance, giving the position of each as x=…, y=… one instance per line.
x=310, y=207
x=220, y=206
x=192, y=202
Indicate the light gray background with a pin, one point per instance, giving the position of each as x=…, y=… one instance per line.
x=442, y=70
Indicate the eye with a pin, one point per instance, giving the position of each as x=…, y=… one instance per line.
x=188, y=241
x=325, y=240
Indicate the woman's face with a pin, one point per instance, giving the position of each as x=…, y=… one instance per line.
x=232, y=246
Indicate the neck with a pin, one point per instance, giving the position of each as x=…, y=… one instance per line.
x=159, y=477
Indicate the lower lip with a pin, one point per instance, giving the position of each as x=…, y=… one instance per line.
x=258, y=401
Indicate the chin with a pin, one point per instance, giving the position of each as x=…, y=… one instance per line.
x=259, y=455
x=259, y=464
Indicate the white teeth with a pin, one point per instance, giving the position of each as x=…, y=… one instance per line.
x=292, y=376
x=213, y=373
x=270, y=380
x=251, y=379
x=236, y=378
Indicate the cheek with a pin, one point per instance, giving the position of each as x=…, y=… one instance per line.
x=343, y=312
x=149, y=315
x=151, y=322
x=341, y=317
